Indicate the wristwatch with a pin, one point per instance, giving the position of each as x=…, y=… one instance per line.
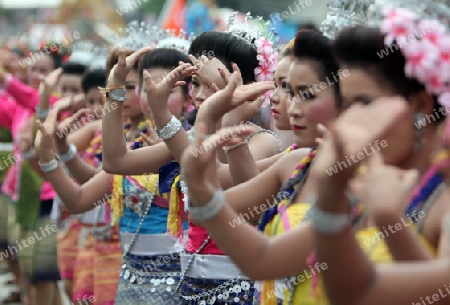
x=117, y=95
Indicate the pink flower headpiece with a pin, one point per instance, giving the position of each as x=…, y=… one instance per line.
x=268, y=61
x=426, y=47
x=262, y=36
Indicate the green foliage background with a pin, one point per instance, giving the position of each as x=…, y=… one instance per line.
x=5, y=136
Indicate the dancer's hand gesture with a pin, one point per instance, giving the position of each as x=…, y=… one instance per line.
x=71, y=124
x=25, y=136
x=351, y=133
x=201, y=61
x=71, y=103
x=385, y=189
x=221, y=102
x=119, y=72
x=44, y=141
x=158, y=91
x=202, y=155
x=151, y=138
x=49, y=82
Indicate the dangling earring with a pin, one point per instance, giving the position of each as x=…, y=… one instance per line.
x=419, y=120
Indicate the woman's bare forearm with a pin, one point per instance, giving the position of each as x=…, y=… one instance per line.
x=258, y=256
x=114, y=145
x=341, y=252
x=179, y=142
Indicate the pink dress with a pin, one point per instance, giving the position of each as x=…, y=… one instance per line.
x=12, y=117
x=24, y=95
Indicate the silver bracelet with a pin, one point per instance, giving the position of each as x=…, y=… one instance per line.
x=70, y=154
x=29, y=154
x=230, y=148
x=329, y=223
x=210, y=209
x=269, y=132
x=171, y=129
x=49, y=166
x=42, y=114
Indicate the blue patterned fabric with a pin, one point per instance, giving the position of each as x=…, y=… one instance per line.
x=155, y=222
x=167, y=174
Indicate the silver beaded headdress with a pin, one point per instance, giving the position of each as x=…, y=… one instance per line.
x=135, y=36
x=344, y=13
x=252, y=28
x=169, y=39
x=87, y=53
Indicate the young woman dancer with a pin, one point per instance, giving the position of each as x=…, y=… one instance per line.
x=39, y=259
x=98, y=261
x=241, y=165
x=150, y=268
x=227, y=48
x=421, y=91
x=428, y=227
x=67, y=81
x=10, y=57
x=27, y=95
x=279, y=98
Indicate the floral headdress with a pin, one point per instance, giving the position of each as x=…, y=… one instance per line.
x=425, y=10
x=20, y=45
x=262, y=36
x=425, y=44
x=181, y=42
x=56, y=48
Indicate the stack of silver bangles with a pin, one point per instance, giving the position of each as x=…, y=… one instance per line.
x=170, y=130
x=210, y=209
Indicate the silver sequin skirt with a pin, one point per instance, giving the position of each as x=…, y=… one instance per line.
x=149, y=280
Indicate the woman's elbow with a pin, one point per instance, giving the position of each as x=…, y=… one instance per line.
x=111, y=167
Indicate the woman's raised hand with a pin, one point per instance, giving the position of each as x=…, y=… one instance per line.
x=119, y=72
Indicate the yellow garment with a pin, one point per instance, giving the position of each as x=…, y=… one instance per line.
x=367, y=238
x=175, y=217
x=147, y=181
